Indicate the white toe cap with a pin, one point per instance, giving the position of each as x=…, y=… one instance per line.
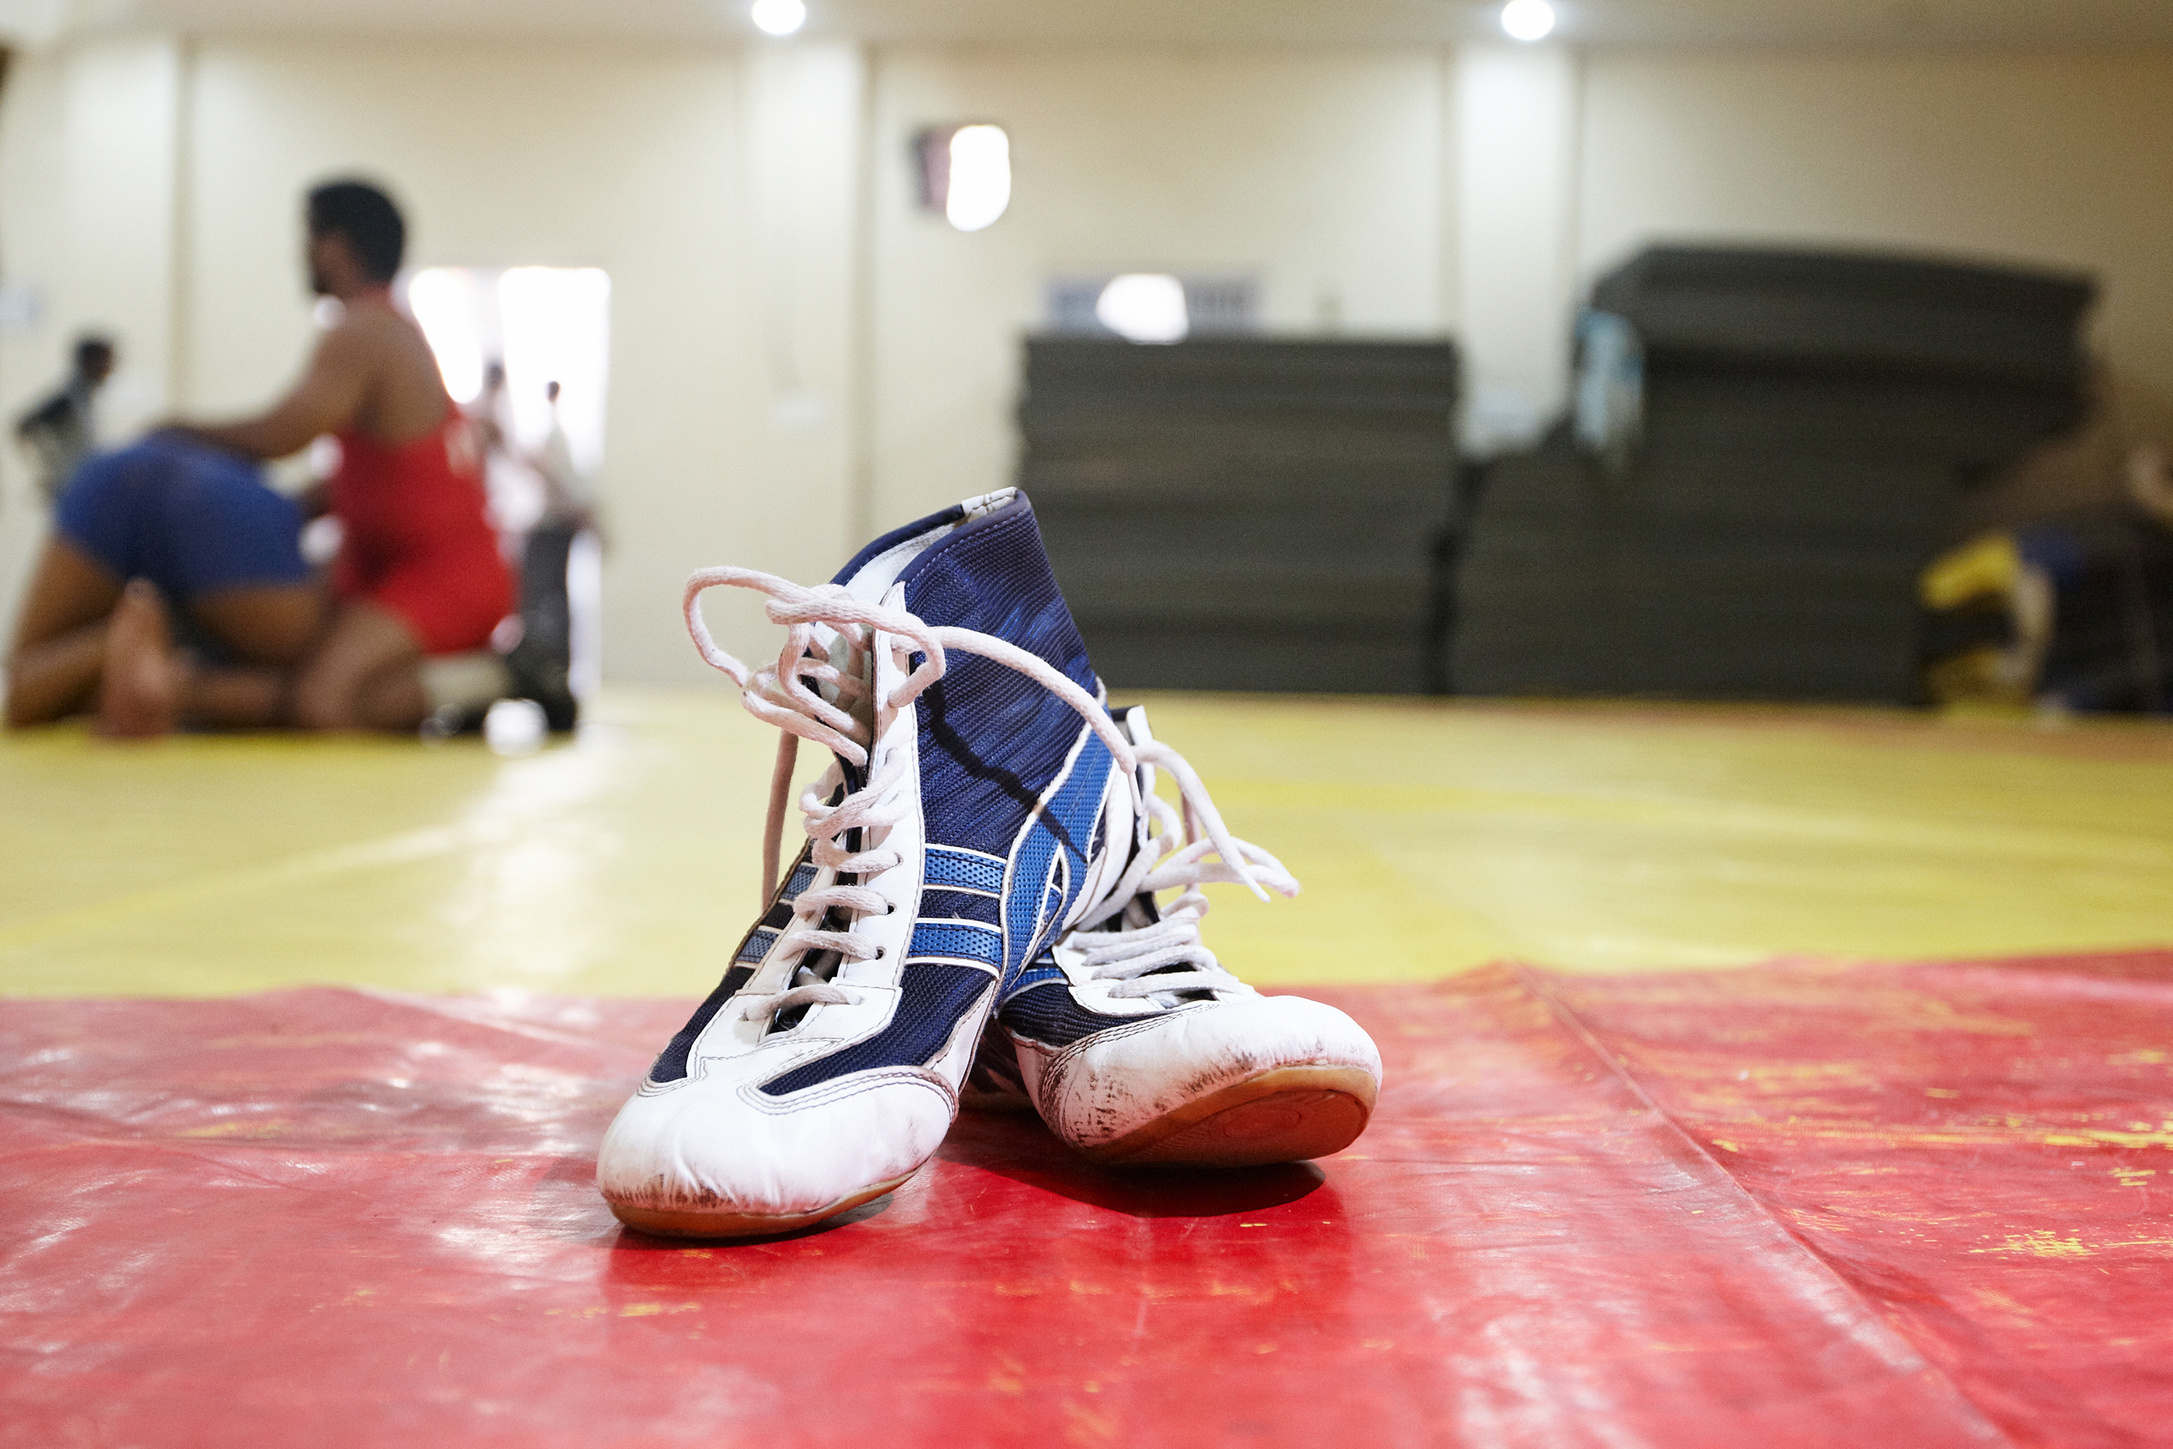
x=715, y=1147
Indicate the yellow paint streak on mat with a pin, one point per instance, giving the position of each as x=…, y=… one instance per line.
x=1431, y=838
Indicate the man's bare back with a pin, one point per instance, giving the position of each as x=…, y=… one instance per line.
x=371, y=373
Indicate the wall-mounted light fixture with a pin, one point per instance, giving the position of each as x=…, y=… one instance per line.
x=965, y=173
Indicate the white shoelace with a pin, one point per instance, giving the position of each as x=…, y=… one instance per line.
x=1141, y=952
x=852, y=721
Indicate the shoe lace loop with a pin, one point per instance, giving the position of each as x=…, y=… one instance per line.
x=1145, y=951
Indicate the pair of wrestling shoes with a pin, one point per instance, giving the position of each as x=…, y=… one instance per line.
x=980, y=880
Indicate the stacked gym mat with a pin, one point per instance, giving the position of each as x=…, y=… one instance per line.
x=1246, y=514
x=1803, y=426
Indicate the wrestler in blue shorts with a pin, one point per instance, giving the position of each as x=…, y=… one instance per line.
x=166, y=537
x=190, y=519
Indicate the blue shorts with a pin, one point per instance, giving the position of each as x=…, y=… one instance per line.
x=2056, y=550
x=189, y=518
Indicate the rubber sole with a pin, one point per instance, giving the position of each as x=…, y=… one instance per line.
x=1289, y=1114
x=696, y=1223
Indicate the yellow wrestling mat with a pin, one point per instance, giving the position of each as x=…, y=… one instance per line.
x=1431, y=836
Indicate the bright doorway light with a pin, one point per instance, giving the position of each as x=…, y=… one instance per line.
x=980, y=181
x=556, y=327
x=544, y=325
x=440, y=299
x=779, y=17
x=1522, y=19
x=1144, y=307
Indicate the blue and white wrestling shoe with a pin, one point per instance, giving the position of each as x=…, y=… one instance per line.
x=1136, y=1046
x=964, y=824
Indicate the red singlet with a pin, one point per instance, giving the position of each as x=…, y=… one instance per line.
x=415, y=539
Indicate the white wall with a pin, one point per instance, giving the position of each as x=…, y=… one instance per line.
x=33, y=253
x=89, y=150
x=1515, y=198
x=800, y=356
x=1321, y=174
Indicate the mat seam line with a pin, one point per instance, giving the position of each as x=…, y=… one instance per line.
x=1537, y=984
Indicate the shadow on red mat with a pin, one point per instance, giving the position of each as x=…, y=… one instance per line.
x=1016, y=1146
x=1807, y=1204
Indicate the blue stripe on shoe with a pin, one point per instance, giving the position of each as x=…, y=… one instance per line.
x=756, y=946
x=1035, y=975
x=941, y=905
x=934, y=997
x=1048, y=859
x=803, y=876
x=950, y=868
x=968, y=940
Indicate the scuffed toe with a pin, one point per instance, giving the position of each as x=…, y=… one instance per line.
x=1234, y=1082
x=719, y=1160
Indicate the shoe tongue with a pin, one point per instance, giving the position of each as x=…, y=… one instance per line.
x=863, y=708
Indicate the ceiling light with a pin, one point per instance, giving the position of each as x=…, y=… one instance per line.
x=980, y=177
x=782, y=17
x=1145, y=307
x=1523, y=19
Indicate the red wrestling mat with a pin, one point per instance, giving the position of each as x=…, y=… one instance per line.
x=1917, y=1206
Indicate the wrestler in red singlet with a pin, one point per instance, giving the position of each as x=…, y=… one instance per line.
x=416, y=540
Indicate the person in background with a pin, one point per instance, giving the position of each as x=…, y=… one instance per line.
x=487, y=412
x=510, y=484
x=161, y=552
x=418, y=572
x=506, y=482
x=60, y=432
x=546, y=613
x=2072, y=611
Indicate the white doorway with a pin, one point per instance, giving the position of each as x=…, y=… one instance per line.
x=543, y=325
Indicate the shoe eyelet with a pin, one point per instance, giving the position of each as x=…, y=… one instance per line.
x=881, y=952
x=890, y=908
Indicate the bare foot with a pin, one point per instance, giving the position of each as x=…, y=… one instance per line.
x=140, y=688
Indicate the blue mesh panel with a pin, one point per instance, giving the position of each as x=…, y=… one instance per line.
x=1049, y=1013
x=934, y=999
x=961, y=870
x=960, y=905
x=803, y=876
x=990, y=738
x=756, y=946
x=671, y=1063
x=946, y=938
